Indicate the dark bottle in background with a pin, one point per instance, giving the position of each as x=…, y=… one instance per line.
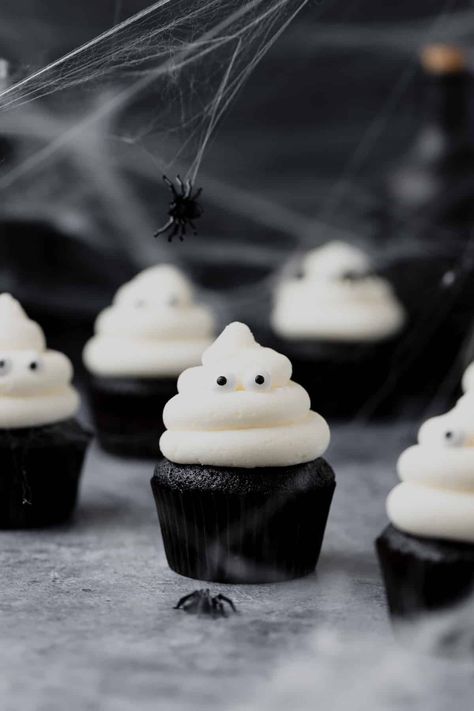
x=429, y=222
x=433, y=184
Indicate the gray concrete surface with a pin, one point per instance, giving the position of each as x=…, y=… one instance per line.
x=86, y=610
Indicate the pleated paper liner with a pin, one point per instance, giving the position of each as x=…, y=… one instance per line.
x=240, y=525
x=40, y=473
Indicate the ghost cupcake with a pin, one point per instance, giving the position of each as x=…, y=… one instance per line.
x=41, y=446
x=150, y=334
x=242, y=492
x=427, y=552
x=338, y=322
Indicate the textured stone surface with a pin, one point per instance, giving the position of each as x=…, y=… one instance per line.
x=87, y=619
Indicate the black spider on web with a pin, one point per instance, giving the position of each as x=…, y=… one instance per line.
x=184, y=209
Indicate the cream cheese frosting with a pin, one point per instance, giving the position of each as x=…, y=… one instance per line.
x=152, y=329
x=35, y=382
x=240, y=408
x=436, y=495
x=468, y=378
x=337, y=299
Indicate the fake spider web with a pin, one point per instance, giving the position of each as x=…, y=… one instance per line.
x=161, y=80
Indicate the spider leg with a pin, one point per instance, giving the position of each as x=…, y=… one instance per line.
x=184, y=599
x=223, y=598
x=214, y=608
x=189, y=189
x=173, y=232
x=181, y=185
x=196, y=194
x=193, y=227
x=164, y=228
x=170, y=185
x=221, y=609
x=182, y=230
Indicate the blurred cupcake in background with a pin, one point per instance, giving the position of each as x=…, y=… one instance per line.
x=242, y=492
x=42, y=446
x=151, y=333
x=339, y=322
x=427, y=552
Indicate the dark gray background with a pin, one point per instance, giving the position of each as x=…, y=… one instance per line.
x=293, y=162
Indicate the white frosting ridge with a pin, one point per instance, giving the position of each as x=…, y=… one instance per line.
x=257, y=418
x=337, y=299
x=436, y=494
x=468, y=378
x=152, y=329
x=35, y=384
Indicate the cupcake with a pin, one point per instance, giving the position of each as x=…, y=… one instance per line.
x=242, y=492
x=150, y=334
x=42, y=447
x=339, y=322
x=427, y=552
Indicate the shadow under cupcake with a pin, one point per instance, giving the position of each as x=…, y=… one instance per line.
x=242, y=492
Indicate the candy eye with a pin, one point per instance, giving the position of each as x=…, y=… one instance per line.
x=225, y=383
x=258, y=380
x=453, y=437
x=35, y=365
x=352, y=276
x=5, y=366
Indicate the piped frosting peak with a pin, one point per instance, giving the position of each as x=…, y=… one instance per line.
x=241, y=409
x=152, y=329
x=17, y=331
x=35, y=384
x=336, y=260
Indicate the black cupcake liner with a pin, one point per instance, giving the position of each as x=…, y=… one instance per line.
x=127, y=413
x=243, y=525
x=40, y=470
x=423, y=574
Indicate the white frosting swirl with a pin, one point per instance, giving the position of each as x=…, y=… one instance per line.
x=34, y=382
x=241, y=409
x=436, y=496
x=152, y=329
x=337, y=299
x=468, y=378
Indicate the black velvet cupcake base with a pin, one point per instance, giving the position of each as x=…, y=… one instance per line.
x=345, y=380
x=234, y=525
x=40, y=469
x=127, y=413
x=423, y=574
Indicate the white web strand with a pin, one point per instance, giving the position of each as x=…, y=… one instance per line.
x=147, y=54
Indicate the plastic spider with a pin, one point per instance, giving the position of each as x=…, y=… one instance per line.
x=200, y=602
x=184, y=208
